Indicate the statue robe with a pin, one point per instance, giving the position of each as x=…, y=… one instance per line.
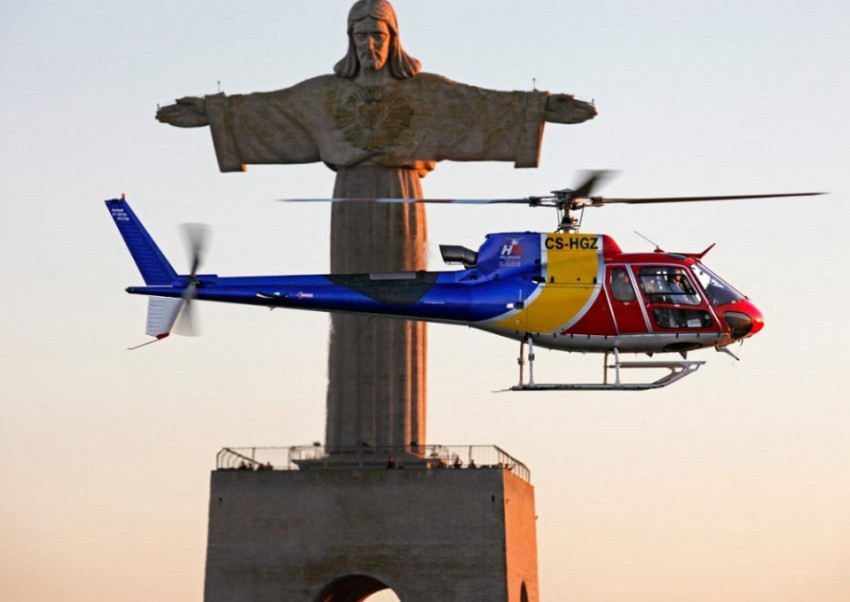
x=380, y=140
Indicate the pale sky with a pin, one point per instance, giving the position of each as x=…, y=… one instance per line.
x=733, y=485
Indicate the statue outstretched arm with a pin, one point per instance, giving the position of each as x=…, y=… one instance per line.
x=187, y=112
x=257, y=128
x=564, y=108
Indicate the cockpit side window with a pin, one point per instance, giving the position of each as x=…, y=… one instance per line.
x=621, y=285
x=667, y=284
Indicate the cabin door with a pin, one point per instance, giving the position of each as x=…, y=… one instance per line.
x=626, y=305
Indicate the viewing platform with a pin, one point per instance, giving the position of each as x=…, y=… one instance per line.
x=411, y=457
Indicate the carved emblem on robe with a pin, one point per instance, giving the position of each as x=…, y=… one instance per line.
x=373, y=118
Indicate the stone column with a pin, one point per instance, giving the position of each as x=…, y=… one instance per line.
x=376, y=366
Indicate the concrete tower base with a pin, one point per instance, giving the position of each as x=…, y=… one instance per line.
x=340, y=535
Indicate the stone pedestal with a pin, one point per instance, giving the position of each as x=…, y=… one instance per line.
x=340, y=535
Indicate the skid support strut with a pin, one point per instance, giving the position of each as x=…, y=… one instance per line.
x=616, y=366
x=521, y=361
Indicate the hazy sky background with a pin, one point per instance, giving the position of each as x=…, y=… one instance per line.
x=733, y=485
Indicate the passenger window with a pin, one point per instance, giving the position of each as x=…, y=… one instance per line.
x=621, y=285
x=669, y=285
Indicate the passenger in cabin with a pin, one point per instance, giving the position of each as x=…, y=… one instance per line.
x=655, y=287
x=621, y=286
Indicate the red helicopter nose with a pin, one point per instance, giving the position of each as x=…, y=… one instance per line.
x=743, y=319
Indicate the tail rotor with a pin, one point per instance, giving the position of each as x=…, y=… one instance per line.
x=196, y=237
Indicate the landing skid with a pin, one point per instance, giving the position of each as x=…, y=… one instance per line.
x=678, y=370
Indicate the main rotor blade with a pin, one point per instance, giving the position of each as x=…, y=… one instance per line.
x=525, y=201
x=687, y=199
x=576, y=198
x=195, y=236
x=591, y=181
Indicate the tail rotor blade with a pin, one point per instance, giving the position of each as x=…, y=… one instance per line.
x=196, y=236
x=186, y=323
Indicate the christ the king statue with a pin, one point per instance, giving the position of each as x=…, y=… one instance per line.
x=381, y=124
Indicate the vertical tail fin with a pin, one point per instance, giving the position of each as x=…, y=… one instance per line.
x=151, y=262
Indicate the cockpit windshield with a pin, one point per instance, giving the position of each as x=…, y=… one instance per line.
x=719, y=293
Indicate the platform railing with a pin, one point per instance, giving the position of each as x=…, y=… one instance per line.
x=411, y=457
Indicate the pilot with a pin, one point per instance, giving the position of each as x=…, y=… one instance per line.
x=682, y=291
x=675, y=285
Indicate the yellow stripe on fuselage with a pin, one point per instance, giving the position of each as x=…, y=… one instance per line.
x=571, y=265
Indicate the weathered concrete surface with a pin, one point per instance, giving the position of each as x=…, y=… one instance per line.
x=436, y=535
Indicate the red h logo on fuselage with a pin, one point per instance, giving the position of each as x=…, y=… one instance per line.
x=513, y=249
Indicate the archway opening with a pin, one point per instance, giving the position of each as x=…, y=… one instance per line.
x=357, y=588
x=386, y=595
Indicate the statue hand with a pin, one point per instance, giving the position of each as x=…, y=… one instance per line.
x=189, y=112
x=564, y=108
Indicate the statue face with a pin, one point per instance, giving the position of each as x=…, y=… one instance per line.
x=372, y=41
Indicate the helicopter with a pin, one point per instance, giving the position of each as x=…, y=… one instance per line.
x=562, y=290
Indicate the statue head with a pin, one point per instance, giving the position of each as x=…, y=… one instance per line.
x=372, y=19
